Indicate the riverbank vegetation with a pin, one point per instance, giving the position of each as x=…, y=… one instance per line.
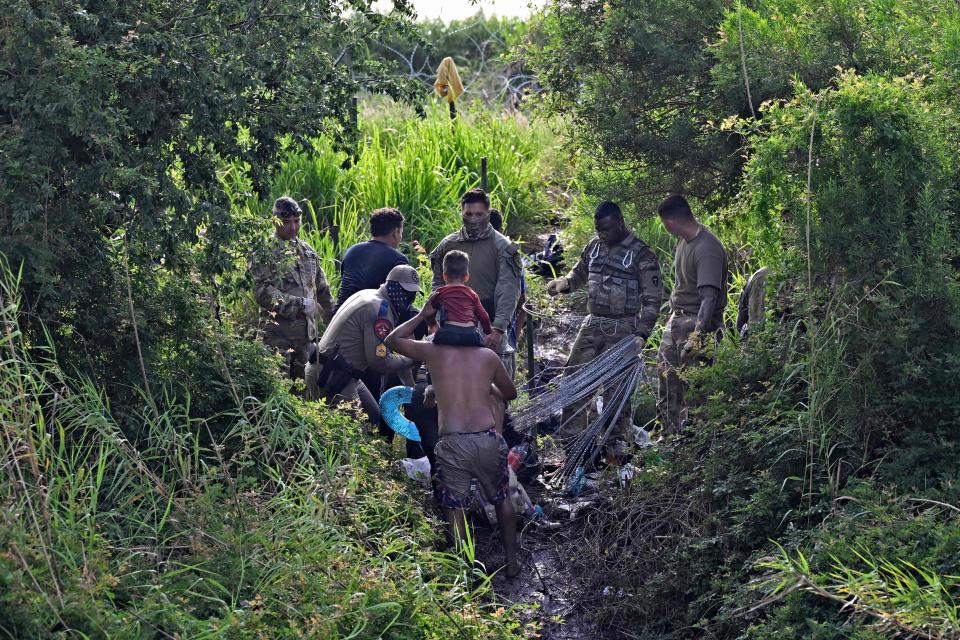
x=816, y=493
x=162, y=481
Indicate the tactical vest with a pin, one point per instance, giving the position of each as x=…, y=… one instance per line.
x=613, y=284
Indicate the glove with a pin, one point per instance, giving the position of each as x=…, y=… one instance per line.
x=309, y=306
x=691, y=348
x=641, y=343
x=557, y=286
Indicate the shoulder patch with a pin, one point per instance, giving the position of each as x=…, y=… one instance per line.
x=507, y=248
x=381, y=350
x=382, y=328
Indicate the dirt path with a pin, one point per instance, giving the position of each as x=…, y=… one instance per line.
x=547, y=591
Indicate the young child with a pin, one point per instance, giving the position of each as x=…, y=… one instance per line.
x=456, y=307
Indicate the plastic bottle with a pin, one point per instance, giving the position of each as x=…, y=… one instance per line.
x=517, y=456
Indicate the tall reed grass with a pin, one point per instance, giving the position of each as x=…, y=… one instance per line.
x=418, y=165
x=288, y=525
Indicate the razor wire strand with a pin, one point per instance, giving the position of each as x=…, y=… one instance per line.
x=583, y=375
x=583, y=444
x=603, y=371
x=583, y=449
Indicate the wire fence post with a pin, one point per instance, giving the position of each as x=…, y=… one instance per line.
x=531, y=364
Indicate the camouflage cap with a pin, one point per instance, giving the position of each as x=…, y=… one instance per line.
x=286, y=207
x=406, y=276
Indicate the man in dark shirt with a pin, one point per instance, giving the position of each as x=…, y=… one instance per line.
x=366, y=265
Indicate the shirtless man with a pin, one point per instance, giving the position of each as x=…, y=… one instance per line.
x=469, y=446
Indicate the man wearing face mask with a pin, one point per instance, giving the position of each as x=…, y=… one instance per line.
x=624, y=292
x=354, y=343
x=290, y=287
x=495, y=266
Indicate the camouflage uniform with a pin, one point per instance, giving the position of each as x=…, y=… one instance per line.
x=285, y=274
x=624, y=292
x=495, y=269
x=671, y=407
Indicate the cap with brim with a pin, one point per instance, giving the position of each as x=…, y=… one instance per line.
x=406, y=276
x=286, y=207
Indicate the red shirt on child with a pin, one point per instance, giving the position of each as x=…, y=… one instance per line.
x=460, y=303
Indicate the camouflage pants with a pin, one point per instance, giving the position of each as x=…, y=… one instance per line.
x=508, y=356
x=290, y=340
x=597, y=334
x=671, y=409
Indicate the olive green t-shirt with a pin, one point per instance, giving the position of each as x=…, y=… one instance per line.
x=699, y=263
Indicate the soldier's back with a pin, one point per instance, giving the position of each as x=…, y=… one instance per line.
x=349, y=324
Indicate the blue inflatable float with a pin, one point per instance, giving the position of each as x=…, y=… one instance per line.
x=390, y=402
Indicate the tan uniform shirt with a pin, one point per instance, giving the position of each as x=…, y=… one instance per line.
x=495, y=269
x=286, y=274
x=699, y=263
x=360, y=327
x=622, y=280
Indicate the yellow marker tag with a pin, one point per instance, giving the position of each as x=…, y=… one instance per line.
x=381, y=351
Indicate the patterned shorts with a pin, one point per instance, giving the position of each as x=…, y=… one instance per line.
x=465, y=457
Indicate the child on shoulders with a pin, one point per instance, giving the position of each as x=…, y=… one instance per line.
x=456, y=307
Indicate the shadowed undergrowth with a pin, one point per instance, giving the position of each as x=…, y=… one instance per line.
x=288, y=525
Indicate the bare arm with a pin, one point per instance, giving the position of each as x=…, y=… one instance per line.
x=503, y=383
x=402, y=341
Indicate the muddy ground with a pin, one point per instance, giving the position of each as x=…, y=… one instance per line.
x=547, y=592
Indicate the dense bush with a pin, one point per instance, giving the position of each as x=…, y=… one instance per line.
x=883, y=232
x=647, y=85
x=115, y=119
x=834, y=431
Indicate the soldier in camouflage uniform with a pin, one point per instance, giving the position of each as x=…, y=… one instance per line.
x=495, y=268
x=624, y=291
x=290, y=287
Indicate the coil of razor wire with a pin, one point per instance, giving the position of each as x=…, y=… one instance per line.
x=582, y=449
x=578, y=384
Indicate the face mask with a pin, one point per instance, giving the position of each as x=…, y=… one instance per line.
x=400, y=298
x=476, y=226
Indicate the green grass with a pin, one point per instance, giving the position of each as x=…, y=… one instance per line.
x=418, y=165
x=291, y=524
